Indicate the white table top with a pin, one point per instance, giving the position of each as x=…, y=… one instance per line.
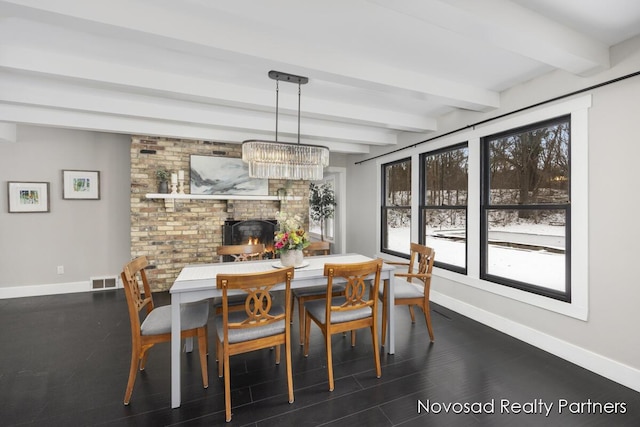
x=199, y=276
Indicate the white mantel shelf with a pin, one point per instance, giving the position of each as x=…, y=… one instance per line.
x=211, y=197
x=169, y=198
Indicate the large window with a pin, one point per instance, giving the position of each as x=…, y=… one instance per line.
x=396, y=207
x=525, y=212
x=443, y=205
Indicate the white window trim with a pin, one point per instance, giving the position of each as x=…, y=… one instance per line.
x=578, y=108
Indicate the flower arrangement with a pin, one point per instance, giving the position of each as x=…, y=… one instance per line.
x=291, y=235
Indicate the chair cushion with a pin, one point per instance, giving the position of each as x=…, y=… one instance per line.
x=248, y=334
x=317, y=309
x=316, y=290
x=192, y=315
x=404, y=289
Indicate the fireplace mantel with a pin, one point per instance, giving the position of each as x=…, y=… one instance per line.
x=208, y=196
x=169, y=198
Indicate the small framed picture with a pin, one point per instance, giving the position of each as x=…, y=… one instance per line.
x=80, y=185
x=28, y=197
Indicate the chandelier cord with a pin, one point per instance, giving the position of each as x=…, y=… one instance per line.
x=299, y=93
x=277, y=91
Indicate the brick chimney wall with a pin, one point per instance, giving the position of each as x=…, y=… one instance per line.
x=190, y=232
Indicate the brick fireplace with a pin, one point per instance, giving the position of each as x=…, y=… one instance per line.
x=191, y=232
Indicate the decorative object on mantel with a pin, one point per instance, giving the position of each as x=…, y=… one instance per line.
x=290, y=240
x=163, y=177
x=180, y=182
x=80, y=185
x=322, y=204
x=283, y=192
x=174, y=183
x=224, y=175
x=282, y=160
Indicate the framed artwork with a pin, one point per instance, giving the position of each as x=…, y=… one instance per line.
x=28, y=197
x=80, y=185
x=224, y=175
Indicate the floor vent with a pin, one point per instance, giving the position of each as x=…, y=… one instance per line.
x=102, y=283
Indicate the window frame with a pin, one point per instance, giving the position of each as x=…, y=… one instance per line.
x=384, y=208
x=423, y=207
x=486, y=206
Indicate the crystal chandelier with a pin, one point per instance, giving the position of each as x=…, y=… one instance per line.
x=282, y=160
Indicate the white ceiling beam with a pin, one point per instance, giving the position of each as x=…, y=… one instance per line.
x=200, y=89
x=61, y=95
x=512, y=27
x=84, y=120
x=170, y=26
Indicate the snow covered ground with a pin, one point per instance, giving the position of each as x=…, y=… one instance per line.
x=538, y=267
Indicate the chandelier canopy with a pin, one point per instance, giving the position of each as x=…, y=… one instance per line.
x=283, y=160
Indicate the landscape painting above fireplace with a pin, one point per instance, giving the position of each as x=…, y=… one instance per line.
x=224, y=175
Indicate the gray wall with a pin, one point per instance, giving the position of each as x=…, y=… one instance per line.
x=89, y=238
x=614, y=293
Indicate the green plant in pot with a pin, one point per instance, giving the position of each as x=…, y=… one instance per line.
x=163, y=176
x=322, y=204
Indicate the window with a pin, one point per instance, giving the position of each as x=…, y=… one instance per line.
x=396, y=208
x=525, y=210
x=443, y=205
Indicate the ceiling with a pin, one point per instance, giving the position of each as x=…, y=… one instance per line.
x=376, y=68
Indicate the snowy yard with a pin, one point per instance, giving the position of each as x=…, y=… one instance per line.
x=539, y=267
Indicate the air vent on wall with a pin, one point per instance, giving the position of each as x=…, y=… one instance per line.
x=103, y=283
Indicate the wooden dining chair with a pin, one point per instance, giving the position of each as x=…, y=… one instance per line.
x=357, y=309
x=411, y=288
x=302, y=295
x=156, y=327
x=262, y=324
x=317, y=248
x=241, y=252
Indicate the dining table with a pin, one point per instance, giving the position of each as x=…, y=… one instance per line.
x=197, y=282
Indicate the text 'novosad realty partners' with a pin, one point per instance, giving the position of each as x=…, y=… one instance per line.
x=535, y=406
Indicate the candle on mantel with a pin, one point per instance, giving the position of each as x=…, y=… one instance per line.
x=174, y=178
x=181, y=175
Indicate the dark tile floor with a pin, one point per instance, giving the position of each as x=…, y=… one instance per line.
x=64, y=362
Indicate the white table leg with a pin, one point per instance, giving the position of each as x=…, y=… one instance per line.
x=391, y=319
x=175, y=350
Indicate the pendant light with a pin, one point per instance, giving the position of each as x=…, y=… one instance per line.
x=283, y=160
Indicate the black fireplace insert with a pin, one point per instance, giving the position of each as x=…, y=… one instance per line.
x=250, y=231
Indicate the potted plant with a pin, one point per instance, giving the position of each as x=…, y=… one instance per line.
x=322, y=204
x=163, y=180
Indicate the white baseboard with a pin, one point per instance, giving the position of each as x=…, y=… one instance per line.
x=40, y=290
x=608, y=368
